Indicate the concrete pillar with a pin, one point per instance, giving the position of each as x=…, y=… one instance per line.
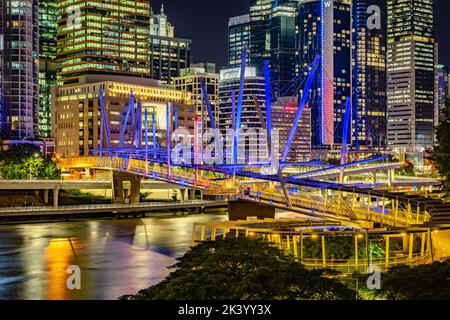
x=411, y=246
x=120, y=194
x=301, y=246
x=194, y=233
x=202, y=237
x=324, y=254
x=46, y=192
x=391, y=177
x=356, y=253
x=126, y=193
x=294, y=243
x=422, y=244
x=135, y=191
x=405, y=244
x=55, y=197
x=183, y=194
x=387, y=252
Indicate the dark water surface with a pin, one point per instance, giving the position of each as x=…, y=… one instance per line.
x=116, y=257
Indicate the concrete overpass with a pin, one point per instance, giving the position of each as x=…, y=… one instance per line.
x=55, y=185
x=117, y=209
x=76, y=184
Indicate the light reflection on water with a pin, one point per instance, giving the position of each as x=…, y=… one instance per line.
x=116, y=257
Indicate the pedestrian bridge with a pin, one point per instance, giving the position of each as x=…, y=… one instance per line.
x=329, y=202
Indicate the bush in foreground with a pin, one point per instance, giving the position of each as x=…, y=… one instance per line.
x=425, y=282
x=243, y=269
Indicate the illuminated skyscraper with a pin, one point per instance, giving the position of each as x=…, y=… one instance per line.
x=238, y=39
x=411, y=75
x=47, y=62
x=282, y=47
x=168, y=54
x=324, y=28
x=259, y=33
x=254, y=92
x=369, y=80
x=443, y=88
x=190, y=81
x=103, y=37
x=19, y=27
x=272, y=38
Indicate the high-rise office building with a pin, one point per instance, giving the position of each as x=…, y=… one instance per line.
x=443, y=78
x=283, y=111
x=47, y=62
x=254, y=92
x=77, y=112
x=103, y=37
x=369, y=80
x=411, y=75
x=190, y=81
x=324, y=28
x=19, y=105
x=168, y=55
x=259, y=49
x=238, y=39
x=208, y=66
x=272, y=38
x=282, y=47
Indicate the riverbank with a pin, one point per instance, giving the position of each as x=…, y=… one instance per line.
x=108, y=211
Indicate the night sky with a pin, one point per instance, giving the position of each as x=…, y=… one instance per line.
x=206, y=23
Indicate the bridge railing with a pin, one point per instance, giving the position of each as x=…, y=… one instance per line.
x=153, y=170
x=341, y=210
x=348, y=266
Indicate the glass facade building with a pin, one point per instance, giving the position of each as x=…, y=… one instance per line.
x=411, y=75
x=443, y=89
x=103, y=37
x=326, y=31
x=369, y=80
x=238, y=39
x=282, y=47
x=272, y=38
x=47, y=62
x=168, y=55
x=254, y=89
x=19, y=49
x=190, y=81
x=259, y=33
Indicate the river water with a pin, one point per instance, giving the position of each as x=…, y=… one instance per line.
x=116, y=257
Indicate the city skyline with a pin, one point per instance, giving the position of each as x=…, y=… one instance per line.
x=189, y=18
x=315, y=153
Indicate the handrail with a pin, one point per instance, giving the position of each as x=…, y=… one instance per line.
x=4, y=210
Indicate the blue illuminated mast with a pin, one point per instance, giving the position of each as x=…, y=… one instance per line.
x=212, y=119
x=268, y=106
x=345, y=142
x=240, y=104
x=300, y=108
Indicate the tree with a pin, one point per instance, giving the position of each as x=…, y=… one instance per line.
x=441, y=154
x=25, y=161
x=425, y=282
x=243, y=269
x=19, y=152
